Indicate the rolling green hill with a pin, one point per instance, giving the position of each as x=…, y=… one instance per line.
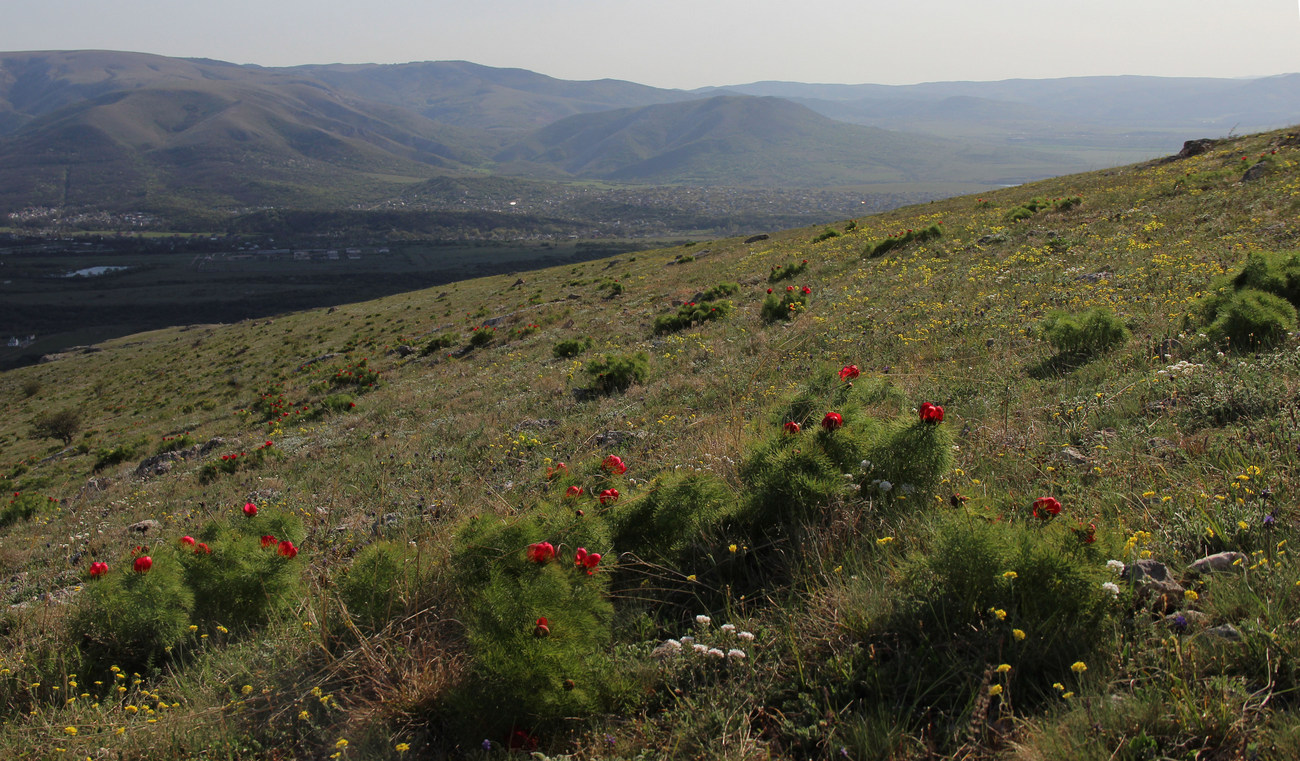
x=500, y=515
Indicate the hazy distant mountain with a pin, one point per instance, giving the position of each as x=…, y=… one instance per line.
x=128, y=131
x=481, y=97
x=743, y=140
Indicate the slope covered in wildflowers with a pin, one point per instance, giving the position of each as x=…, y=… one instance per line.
x=1004, y=477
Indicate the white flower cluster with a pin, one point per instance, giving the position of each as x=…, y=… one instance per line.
x=1111, y=587
x=1115, y=565
x=673, y=647
x=1182, y=368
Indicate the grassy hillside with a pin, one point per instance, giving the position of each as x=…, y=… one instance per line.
x=433, y=474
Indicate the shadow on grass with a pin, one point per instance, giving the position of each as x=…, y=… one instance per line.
x=1058, y=364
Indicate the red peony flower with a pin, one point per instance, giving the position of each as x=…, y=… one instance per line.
x=931, y=413
x=559, y=469
x=250, y=509
x=573, y=491
x=609, y=495
x=805, y=290
x=789, y=288
x=286, y=549
x=98, y=569
x=541, y=629
x=541, y=552
x=142, y=564
x=267, y=540
x=188, y=541
x=202, y=549
x=589, y=562
x=769, y=290
x=791, y=427
x=849, y=372
x=1046, y=507
x=614, y=464
x=832, y=421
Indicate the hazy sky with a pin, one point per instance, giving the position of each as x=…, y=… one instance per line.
x=693, y=43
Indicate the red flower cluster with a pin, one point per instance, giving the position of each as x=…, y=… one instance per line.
x=142, y=564
x=931, y=413
x=560, y=469
x=1046, y=507
x=849, y=372
x=573, y=491
x=541, y=552
x=98, y=569
x=832, y=421
x=250, y=509
x=586, y=559
x=286, y=549
x=267, y=541
x=188, y=541
x=202, y=549
x=609, y=495
x=614, y=464
x=791, y=427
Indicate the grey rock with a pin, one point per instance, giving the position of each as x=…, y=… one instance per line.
x=1221, y=561
x=1192, y=619
x=615, y=438
x=1095, y=277
x=1146, y=569
x=1195, y=148
x=1256, y=172
x=540, y=424
x=1070, y=454
x=756, y=238
x=1224, y=631
x=144, y=527
x=1161, y=596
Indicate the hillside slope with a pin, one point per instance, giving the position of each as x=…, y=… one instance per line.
x=441, y=524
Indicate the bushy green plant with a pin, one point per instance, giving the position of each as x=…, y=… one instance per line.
x=1250, y=319
x=911, y=455
x=358, y=374
x=109, y=456
x=791, y=478
x=571, y=347
x=21, y=506
x=131, y=619
x=786, y=271
x=1028, y=595
x=720, y=291
x=482, y=336
x=826, y=234
x=439, y=343
x=615, y=373
x=379, y=583
x=175, y=443
x=1084, y=334
x=672, y=516
x=338, y=403
x=243, y=579
x=881, y=247
x=524, y=675
x=233, y=462
x=784, y=306
x=691, y=314
x=1275, y=273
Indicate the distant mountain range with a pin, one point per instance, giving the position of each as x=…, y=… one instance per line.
x=184, y=137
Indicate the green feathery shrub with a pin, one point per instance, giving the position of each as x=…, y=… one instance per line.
x=672, y=517
x=380, y=582
x=571, y=347
x=692, y=314
x=787, y=271
x=243, y=580
x=615, y=373
x=1085, y=334
x=1278, y=274
x=911, y=456
x=784, y=306
x=881, y=247
x=21, y=506
x=1251, y=319
x=131, y=619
